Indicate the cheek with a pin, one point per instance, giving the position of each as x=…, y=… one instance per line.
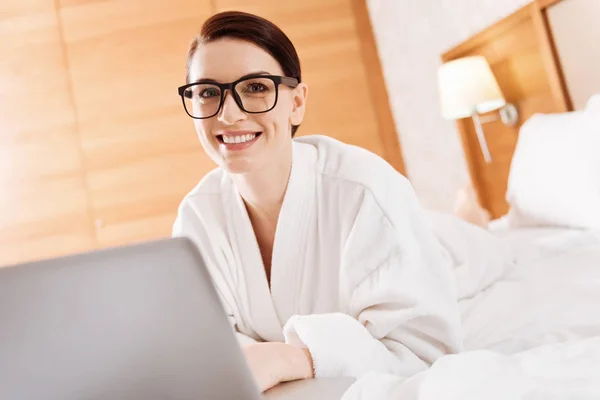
x=202, y=128
x=278, y=119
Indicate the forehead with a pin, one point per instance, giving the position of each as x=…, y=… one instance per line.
x=226, y=60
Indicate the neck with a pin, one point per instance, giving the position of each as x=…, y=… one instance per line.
x=263, y=190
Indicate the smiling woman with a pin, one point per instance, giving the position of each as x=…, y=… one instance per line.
x=319, y=249
x=244, y=72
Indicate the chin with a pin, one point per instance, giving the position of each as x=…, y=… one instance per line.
x=237, y=166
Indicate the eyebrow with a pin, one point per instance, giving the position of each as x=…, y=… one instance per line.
x=250, y=75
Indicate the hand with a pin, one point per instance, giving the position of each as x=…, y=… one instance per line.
x=273, y=363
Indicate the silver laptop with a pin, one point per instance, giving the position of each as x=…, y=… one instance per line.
x=141, y=322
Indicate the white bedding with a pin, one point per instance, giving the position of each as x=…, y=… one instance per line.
x=533, y=333
x=528, y=244
x=565, y=371
x=552, y=293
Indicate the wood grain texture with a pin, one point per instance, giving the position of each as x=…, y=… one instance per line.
x=45, y=218
x=550, y=59
x=44, y=203
x=520, y=53
x=141, y=153
x=142, y=191
x=19, y=8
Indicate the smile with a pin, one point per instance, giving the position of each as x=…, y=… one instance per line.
x=238, y=141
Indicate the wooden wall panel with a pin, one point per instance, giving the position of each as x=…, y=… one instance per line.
x=44, y=204
x=129, y=200
x=325, y=36
x=26, y=9
x=127, y=59
x=45, y=218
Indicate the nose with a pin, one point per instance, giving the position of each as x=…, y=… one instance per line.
x=230, y=112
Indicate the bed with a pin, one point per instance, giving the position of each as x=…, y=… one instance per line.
x=543, y=186
x=530, y=303
x=528, y=284
x=552, y=228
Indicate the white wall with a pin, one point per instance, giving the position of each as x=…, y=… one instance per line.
x=577, y=46
x=411, y=35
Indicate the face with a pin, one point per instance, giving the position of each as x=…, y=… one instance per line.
x=267, y=135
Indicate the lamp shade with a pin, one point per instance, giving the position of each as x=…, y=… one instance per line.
x=467, y=85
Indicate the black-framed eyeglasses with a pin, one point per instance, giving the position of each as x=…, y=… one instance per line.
x=254, y=95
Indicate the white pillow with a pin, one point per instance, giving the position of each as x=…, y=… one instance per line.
x=555, y=172
x=479, y=258
x=592, y=113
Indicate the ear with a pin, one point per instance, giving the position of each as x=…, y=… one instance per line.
x=299, y=95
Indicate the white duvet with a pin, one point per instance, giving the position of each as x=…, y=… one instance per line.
x=548, y=298
x=530, y=302
x=560, y=371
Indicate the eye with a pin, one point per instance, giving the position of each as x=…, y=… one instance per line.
x=209, y=93
x=255, y=87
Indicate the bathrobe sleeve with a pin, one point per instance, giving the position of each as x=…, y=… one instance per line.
x=189, y=224
x=402, y=312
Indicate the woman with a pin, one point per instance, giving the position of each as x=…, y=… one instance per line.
x=318, y=249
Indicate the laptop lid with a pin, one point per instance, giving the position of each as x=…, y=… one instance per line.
x=140, y=322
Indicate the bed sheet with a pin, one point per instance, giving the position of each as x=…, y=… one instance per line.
x=562, y=371
x=551, y=294
x=529, y=244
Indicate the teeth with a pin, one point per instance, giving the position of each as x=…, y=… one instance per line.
x=239, y=138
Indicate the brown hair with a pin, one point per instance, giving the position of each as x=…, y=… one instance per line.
x=254, y=29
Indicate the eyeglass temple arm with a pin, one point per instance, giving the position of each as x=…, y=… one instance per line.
x=291, y=82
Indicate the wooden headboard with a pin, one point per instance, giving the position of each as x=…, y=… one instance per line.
x=522, y=53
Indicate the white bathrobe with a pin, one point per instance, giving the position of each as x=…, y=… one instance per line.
x=356, y=275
